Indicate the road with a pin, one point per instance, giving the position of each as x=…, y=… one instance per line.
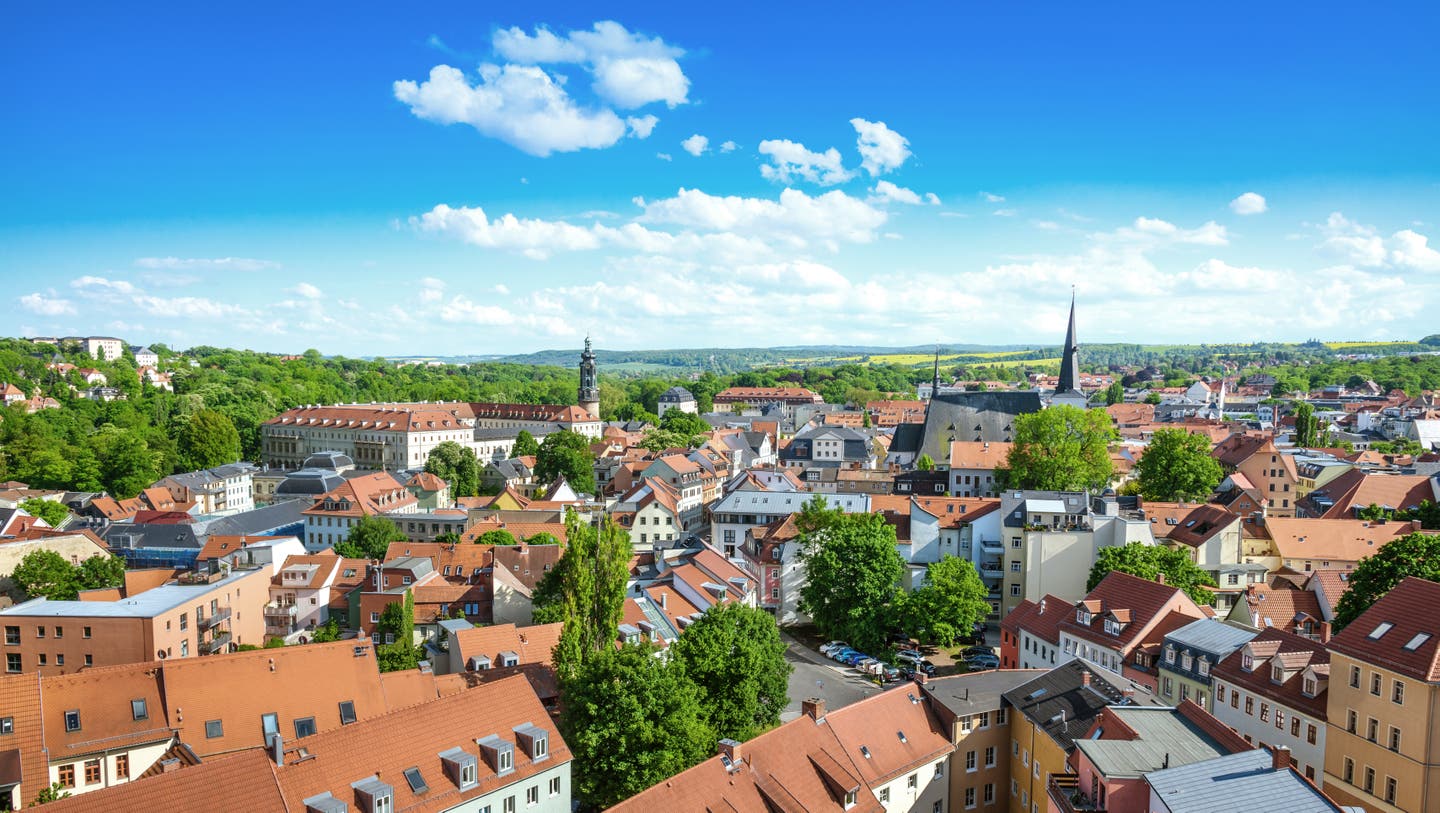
x=816, y=676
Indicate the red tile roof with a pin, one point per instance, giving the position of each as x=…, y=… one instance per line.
x=1294, y=653
x=1409, y=612
x=1143, y=599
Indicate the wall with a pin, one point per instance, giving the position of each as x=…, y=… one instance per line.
x=995, y=736
x=494, y=802
x=1419, y=786
x=141, y=758
x=929, y=789
x=1232, y=713
x=1033, y=757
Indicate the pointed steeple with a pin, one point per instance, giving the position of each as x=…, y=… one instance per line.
x=935, y=382
x=1070, y=364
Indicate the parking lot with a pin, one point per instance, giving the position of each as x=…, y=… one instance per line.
x=816, y=676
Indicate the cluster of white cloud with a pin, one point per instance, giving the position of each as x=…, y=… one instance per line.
x=205, y=264
x=791, y=161
x=696, y=145
x=531, y=108
x=1362, y=245
x=885, y=191
x=881, y=149
x=1249, y=203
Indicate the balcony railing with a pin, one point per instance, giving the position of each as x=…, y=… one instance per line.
x=218, y=643
x=992, y=546
x=217, y=617
x=281, y=611
x=1066, y=794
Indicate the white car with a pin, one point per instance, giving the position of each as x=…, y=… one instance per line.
x=826, y=649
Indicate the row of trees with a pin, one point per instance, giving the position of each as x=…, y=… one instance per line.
x=853, y=583
x=632, y=717
x=45, y=573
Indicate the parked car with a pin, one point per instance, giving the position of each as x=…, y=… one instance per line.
x=826, y=649
x=854, y=658
x=981, y=662
x=908, y=669
x=909, y=655
x=889, y=674
x=840, y=653
x=972, y=651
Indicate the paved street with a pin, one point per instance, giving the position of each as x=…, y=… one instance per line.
x=817, y=676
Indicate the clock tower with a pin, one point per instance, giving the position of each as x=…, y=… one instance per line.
x=589, y=393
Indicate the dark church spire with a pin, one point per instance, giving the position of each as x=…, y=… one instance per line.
x=935, y=382
x=1070, y=363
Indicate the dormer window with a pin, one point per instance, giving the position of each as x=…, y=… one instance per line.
x=1113, y=627
x=1277, y=674
x=1247, y=662
x=1082, y=616
x=1170, y=654
x=1309, y=686
x=461, y=766
x=850, y=798
x=499, y=754
x=535, y=741
x=374, y=796
x=1204, y=666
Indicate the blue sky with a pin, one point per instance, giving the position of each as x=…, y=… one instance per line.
x=475, y=178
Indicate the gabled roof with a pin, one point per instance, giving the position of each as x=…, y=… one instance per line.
x=954, y=512
x=973, y=454
x=1389, y=633
x=1201, y=525
x=1266, y=607
x=1336, y=540
x=1357, y=489
x=366, y=495
x=1061, y=704
x=1041, y=619
x=1142, y=598
x=1239, y=447
x=1295, y=654
x=1237, y=783
x=897, y=730
x=530, y=644
x=1148, y=739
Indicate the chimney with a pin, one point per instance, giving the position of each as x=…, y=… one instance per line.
x=1085, y=678
x=662, y=600
x=277, y=749
x=1280, y=758
x=730, y=749
x=1160, y=577
x=813, y=707
x=1324, y=632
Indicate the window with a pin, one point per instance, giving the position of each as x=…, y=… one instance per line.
x=532, y=795
x=122, y=766
x=67, y=776
x=214, y=729
x=13, y=662
x=884, y=796
x=1250, y=706
x=59, y=632
x=1205, y=666
x=555, y=786
x=990, y=756
x=1349, y=771
x=970, y=762
x=508, y=806
x=72, y=720
x=506, y=761
x=1220, y=693
x=1375, y=681
x=89, y=660
x=347, y=712
x=913, y=781
x=39, y=632
x=92, y=771
x=1310, y=733
x=1354, y=677
x=1234, y=699
x=1372, y=729
x=269, y=724
x=12, y=636
x=1279, y=718
x=1351, y=720
x=1369, y=779
x=7, y=725
x=1294, y=726
x=42, y=658
x=989, y=794
x=1002, y=716
x=1390, y=789
x=1394, y=738
x=138, y=709
x=1015, y=590
x=969, y=798
x=1397, y=693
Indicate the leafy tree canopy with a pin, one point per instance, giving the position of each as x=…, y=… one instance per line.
x=52, y=512
x=1149, y=561
x=1415, y=554
x=735, y=655
x=853, y=573
x=499, y=536
x=948, y=605
x=369, y=538
x=456, y=465
x=566, y=454
x=207, y=440
x=1177, y=466
x=525, y=444
x=1063, y=448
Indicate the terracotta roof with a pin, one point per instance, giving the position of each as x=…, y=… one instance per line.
x=877, y=723
x=1144, y=599
x=20, y=698
x=245, y=778
x=425, y=481
x=527, y=563
x=219, y=545
x=1329, y=585
x=1165, y=516
x=1334, y=540
x=412, y=687
x=1136, y=413
x=1282, y=608
x=1043, y=618
x=366, y=495
x=1388, y=634
x=103, y=698
x=954, y=512
x=531, y=644
x=966, y=454
x=1201, y=525
x=1357, y=489
x=1294, y=653
x=759, y=395
x=1237, y=448
x=375, y=417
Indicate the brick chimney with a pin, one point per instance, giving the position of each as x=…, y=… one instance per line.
x=813, y=707
x=1160, y=577
x=1280, y=758
x=730, y=749
x=1085, y=678
x=1324, y=631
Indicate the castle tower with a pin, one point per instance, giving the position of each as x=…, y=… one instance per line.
x=589, y=393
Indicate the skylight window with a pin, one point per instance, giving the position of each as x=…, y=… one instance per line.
x=1418, y=641
x=1380, y=630
x=901, y=735
x=417, y=782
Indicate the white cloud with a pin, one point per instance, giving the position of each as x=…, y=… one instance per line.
x=431, y=289
x=1152, y=229
x=1249, y=203
x=992, y=198
x=729, y=146
x=1352, y=242
x=793, y=219
x=535, y=238
x=518, y=104
x=664, y=156
x=462, y=309
x=882, y=150
x=47, y=305
x=1410, y=249
x=791, y=161
x=641, y=126
x=205, y=264
x=1047, y=225
x=93, y=285
x=886, y=191
x=629, y=70
x=1006, y=212
x=696, y=144
x=307, y=290
x=190, y=307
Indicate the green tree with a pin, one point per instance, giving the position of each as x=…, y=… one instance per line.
x=1177, y=466
x=925, y=463
x=50, y=793
x=369, y=538
x=566, y=454
x=632, y=720
x=97, y=572
x=1149, y=561
x=327, y=632
x=1152, y=398
x=735, y=655
x=853, y=572
x=1414, y=554
x=1305, y=425
x=1115, y=393
x=126, y=463
x=46, y=573
x=499, y=536
x=585, y=590
x=207, y=440
x=448, y=538
x=948, y=605
x=1063, y=448
x=525, y=445
x=456, y=465
x=684, y=423
x=397, y=622
x=51, y=511
x=542, y=538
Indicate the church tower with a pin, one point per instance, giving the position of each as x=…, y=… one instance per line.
x=589, y=393
x=1067, y=389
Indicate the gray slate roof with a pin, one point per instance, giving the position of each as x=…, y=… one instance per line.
x=1163, y=737
x=974, y=416
x=259, y=521
x=977, y=691
x=1238, y=783
x=1059, y=703
x=1210, y=635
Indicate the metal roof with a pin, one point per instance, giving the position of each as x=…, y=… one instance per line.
x=1238, y=783
x=1162, y=737
x=1210, y=635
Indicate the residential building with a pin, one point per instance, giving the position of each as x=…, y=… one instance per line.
x=651, y=512
x=73, y=547
x=198, y=614
x=1273, y=691
x=108, y=348
x=1381, y=751
x=308, y=590
x=335, y=512
x=830, y=447
x=493, y=747
x=885, y=754
x=1324, y=544
x=749, y=507
x=1357, y=489
x=1294, y=611
x=1236, y=783
x=1271, y=472
x=144, y=356
x=972, y=467
x=758, y=397
x=227, y=488
x=771, y=557
x=1189, y=656
x=972, y=711
x=500, y=646
x=1109, y=625
x=1125, y=743
x=677, y=397
x=1030, y=634
x=1214, y=540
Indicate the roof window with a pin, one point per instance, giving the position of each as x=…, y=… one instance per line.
x=1417, y=642
x=1380, y=630
x=415, y=780
x=461, y=766
x=499, y=754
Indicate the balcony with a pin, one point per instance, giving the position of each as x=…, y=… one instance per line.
x=284, y=613
x=1066, y=795
x=992, y=571
x=218, y=643
x=219, y=616
x=994, y=547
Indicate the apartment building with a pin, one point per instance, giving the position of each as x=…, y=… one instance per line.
x=1188, y=657
x=1273, y=691
x=197, y=614
x=1120, y=624
x=223, y=489
x=973, y=712
x=308, y=590
x=1383, y=709
x=329, y=519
